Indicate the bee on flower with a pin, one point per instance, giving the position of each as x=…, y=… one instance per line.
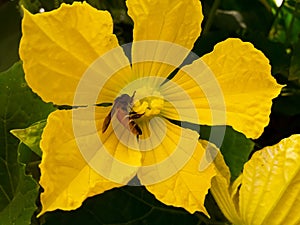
x=71, y=57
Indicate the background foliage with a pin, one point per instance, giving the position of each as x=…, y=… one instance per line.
x=272, y=29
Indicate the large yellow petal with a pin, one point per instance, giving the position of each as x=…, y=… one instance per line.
x=174, y=21
x=171, y=170
x=70, y=147
x=57, y=47
x=242, y=81
x=158, y=25
x=270, y=190
x=244, y=74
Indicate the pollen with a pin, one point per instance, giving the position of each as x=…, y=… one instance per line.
x=149, y=106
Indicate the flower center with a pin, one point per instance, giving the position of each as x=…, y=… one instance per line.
x=149, y=102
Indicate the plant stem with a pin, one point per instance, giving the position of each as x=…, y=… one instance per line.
x=290, y=28
x=211, y=16
x=275, y=21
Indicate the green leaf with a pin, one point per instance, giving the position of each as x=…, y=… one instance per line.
x=31, y=136
x=22, y=205
x=19, y=108
x=235, y=147
x=124, y=206
x=26, y=155
x=30, y=159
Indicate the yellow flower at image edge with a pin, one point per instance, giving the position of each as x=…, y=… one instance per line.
x=268, y=190
x=58, y=47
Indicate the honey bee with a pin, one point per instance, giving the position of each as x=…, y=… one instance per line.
x=121, y=108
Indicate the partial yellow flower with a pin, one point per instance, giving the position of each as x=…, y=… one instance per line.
x=268, y=190
x=61, y=48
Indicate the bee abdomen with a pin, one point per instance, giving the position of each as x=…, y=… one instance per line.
x=134, y=128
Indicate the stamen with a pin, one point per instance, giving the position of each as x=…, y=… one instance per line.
x=149, y=106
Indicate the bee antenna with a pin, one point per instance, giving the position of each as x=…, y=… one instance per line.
x=133, y=94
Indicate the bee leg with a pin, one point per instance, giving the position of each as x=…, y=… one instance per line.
x=133, y=115
x=138, y=131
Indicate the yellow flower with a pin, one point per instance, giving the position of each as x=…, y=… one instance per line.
x=268, y=190
x=71, y=57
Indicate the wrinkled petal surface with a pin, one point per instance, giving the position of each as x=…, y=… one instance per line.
x=270, y=191
x=243, y=75
x=57, y=47
x=171, y=21
x=66, y=173
x=188, y=187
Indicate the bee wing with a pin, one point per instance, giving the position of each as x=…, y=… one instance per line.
x=107, y=119
x=106, y=122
